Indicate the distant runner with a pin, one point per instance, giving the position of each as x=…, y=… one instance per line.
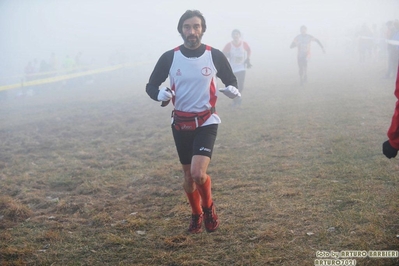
x=303, y=41
x=238, y=53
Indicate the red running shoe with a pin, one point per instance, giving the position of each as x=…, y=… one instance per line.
x=195, y=224
x=211, y=218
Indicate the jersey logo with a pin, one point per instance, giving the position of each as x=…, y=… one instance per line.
x=178, y=73
x=206, y=71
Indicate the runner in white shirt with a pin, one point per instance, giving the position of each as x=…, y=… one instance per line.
x=193, y=69
x=238, y=53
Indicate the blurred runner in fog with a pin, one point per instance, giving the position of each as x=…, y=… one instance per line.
x=391, y=146
x=29, y=71
x=365, y=43
x=238, y=53
x=53, y=62
x=69, y=65
x=36, y=66
x=193, y=69
x=303, y=42
x=392, y=48
x=44, y=67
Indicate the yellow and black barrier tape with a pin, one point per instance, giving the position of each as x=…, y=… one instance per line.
x=47, y=73
x=67, y=76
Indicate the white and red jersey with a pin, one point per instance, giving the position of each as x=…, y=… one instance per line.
x=237, y=55
x=194, y=83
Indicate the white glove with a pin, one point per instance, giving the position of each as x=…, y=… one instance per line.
x=165, y=94
x=230, y=91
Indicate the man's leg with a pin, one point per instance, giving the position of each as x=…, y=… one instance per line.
x=184, y=146
x=305, y=70
x=194, y=198
x=199, y=167
x=305, y=74
x=300, y=67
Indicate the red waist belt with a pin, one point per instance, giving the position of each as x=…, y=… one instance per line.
x=190, y=121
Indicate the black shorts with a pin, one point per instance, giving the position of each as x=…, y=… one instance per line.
x=196, y=142
x=303, y=60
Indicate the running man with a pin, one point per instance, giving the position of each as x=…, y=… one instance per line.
x=238, y=53
x=303, y=42
x=193, y=69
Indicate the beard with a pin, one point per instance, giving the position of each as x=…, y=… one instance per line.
x=192, y=41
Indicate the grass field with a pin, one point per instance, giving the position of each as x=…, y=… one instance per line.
x=89, y=175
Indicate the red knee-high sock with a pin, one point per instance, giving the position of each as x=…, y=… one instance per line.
x=194, y=199
x=205, y=192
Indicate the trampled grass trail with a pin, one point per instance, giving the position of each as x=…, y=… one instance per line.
x=89, y=174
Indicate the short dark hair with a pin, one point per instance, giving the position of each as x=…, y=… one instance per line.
x=190, y=14
x=235, y=31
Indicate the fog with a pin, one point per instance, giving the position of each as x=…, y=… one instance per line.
x=143, y=30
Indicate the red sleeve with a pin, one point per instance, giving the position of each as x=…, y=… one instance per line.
x=393, y=131
x=226, y=48
x=248, y=49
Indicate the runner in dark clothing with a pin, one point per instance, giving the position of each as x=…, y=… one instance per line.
x=303, y=42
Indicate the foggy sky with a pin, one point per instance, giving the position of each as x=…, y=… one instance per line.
x=145, y=29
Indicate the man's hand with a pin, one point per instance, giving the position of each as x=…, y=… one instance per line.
x=165, y=94
x=388, y=150
x=247, y=63
x=230, y=91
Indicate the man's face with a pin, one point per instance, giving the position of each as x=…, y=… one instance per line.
x=236, y=36
x=192, y=32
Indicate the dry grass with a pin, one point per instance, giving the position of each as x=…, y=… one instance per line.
x=90, y=176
